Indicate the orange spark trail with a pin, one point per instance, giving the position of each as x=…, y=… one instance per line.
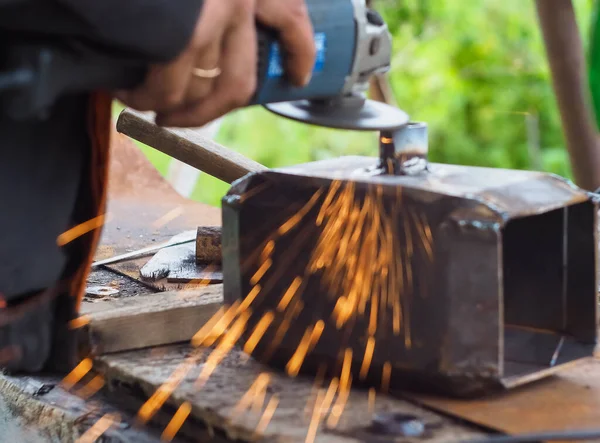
x=346, y=366
x=100, y=427
x=385, y=376
x=77, y=374
x=310, y=336
x=315, y=387
x=93, y=386
x=164, y=391
x=79, y=322
x=267, y=251
x=228, y=341
x=258, y=332
x=217, y=331
x=205, y=331
x=168, y=217
x=261, y=271
x=364, y=369
x=259, y=385
x=249, y=299
x=177, y=421
x=289, y=294
x=81, y=229
x=296, y=218
x=340, y=404
x=315, y=419
x=267, y=415
x=371, y=400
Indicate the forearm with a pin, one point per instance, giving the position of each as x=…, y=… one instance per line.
x=149, y=30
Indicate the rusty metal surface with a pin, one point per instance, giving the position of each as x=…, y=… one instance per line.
x=499, y=291
x=568, y=401
x=506, y=192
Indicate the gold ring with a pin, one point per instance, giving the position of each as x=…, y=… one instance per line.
x=206, y=73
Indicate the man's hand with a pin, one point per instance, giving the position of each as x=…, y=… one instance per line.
x=233, y=49
x=167, y=87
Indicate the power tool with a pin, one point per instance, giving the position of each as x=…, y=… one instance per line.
x=353, y=43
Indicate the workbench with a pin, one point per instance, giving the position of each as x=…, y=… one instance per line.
x=48, y=411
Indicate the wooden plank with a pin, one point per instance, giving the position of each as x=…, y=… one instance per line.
x=208, y=244
x=36, y=409
x=214, y=403
x=188, y=146
x=150, y=320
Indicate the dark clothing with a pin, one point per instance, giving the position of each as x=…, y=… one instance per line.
x=52, y=171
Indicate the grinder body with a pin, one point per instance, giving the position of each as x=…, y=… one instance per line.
x=335, y=31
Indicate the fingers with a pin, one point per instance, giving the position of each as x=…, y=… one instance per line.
x=212, y=29
x=291, y=19
x=235, y=86
x=167, y=86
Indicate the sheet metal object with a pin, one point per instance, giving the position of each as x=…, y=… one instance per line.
x=507, y=294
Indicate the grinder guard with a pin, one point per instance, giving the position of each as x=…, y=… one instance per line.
x=507, y=294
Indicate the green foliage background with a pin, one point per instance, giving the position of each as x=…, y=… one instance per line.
x=473, y=70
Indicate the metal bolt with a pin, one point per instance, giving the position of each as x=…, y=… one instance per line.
x=404, y=151
x=397, y=424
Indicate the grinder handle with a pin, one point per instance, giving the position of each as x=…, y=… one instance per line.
x=188, y=146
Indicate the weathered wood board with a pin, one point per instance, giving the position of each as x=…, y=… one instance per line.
x=214, y=403
x=149, y=320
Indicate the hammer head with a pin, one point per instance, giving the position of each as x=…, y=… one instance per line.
x=458, y=279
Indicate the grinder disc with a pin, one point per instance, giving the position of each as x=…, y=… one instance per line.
x=370, y=116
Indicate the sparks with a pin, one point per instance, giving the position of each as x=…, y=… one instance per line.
x=177, y=421
x=295, y=363
x=259, y=385
x=315, y=419
x=103, y=424
x=82, y=229
x=205, y=331
x=385, y=376
x=264, y=421
x=340, y=404
x=296, y=218
x=346, y=366
x=372, y=395
x=261, y=272
x=289, y=294
x=164, y=391
x=249, y=299
x=364, y=369
x=267, y=251
x=79, y=322
x=77, y=374
x=258, y=332
x=168, y=217
x=223, y=348
x=91, y=388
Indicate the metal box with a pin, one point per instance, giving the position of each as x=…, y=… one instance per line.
x=460, y=280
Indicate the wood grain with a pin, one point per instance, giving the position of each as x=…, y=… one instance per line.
x=150, y=320
x=187, y=146
x=208, y=244
x=214, y=403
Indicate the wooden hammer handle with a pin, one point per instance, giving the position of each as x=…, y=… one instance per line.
x=187, y=146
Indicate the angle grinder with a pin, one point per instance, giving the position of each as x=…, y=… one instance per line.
x=353, y=44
